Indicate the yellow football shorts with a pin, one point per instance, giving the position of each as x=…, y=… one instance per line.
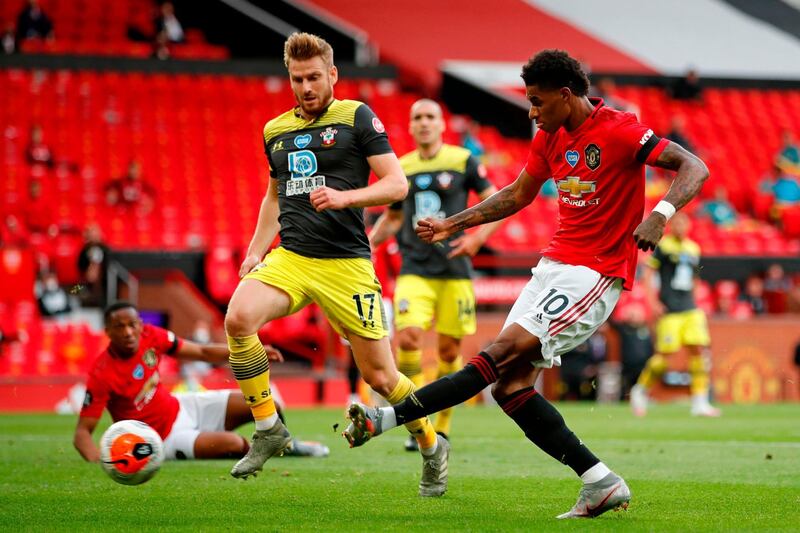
x=346, y=289
x=686, y=328
x=417, y=300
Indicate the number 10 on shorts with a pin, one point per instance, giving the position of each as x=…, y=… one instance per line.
x=362, y=301
x=553, y=303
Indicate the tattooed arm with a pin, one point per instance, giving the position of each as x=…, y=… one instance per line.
x=691, y=174
x=501, y=204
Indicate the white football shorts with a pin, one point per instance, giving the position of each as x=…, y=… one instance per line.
x=199, y=412
x=563, y=305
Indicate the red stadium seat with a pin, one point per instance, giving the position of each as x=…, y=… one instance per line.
x=222, y=275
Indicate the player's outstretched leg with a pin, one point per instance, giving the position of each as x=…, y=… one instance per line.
x=266, y=443
x=545, y=427
x=369, y=422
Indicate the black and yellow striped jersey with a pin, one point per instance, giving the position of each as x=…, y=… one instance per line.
x=331, y=151
x=437, y=187
x=678, y=264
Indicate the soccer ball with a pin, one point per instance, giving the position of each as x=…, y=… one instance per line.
x=131, y=452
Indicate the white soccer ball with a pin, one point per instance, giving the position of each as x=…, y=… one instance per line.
x=131, y=452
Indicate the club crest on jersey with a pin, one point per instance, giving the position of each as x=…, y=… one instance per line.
x=423, y=181
x=138, y=372
x=301, y=141
x=572, y=157
x=592, y=153
x=445, y=179
x=402, y=306
x=149, y=358
x=328, y=137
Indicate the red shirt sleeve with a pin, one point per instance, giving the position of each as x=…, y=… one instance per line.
x=537, y=166
x=96, y=398
x=644, y=145
x=165, y=341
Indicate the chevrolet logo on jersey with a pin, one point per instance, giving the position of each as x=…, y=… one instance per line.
x=575, y=187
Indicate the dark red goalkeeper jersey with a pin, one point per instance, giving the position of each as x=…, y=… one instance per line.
x=598, y=170
x=131, y=388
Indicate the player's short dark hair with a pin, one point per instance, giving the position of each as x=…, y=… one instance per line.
x=554, y=69
x=116, y=306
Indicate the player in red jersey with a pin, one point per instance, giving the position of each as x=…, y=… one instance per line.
x=125, y=379
x=596, y=156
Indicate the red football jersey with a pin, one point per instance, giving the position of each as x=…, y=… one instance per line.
x=131, y=388
x=598, y=169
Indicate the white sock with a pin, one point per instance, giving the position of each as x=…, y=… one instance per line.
x=389, y=420
x=427, y=452
x=700, y=400
x=595, y=473
x=267, y=423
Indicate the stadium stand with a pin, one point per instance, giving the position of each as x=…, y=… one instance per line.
x=99, y=28
x=197, y=137
x=101, y=121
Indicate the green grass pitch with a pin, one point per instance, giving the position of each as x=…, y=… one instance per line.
x=737, y=473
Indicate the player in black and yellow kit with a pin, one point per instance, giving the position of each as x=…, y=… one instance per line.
x=320, y=155
x=676, y=260
x=435, y=280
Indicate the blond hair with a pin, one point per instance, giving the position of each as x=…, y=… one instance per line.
x=304, y=46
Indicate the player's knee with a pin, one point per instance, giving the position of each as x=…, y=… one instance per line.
x=449, y=351
x=379, y=381
x=409, y=339
x=502, y=389
x=240, y=323
x=658, y=364
x=699, y=364
x=501, y=350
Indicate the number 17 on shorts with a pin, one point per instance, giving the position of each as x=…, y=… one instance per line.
x=366, y=308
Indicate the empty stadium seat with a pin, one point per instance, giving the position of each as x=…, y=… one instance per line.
x=222, y=275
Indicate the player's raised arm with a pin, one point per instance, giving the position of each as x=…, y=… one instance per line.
x=500, y=205
x=266, y=229
x=83, y=441
x=470, y=243
x=690, y=175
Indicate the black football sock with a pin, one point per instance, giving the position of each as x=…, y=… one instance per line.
x=545, y=427
x=448, y=391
